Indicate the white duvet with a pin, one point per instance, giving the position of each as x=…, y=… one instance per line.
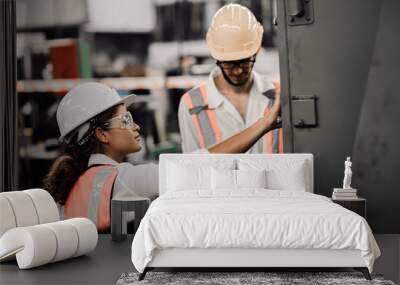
x=252, y=218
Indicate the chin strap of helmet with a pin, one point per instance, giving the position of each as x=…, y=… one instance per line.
x=82, y=135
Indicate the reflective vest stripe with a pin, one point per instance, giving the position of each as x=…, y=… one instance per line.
x=104, y=217
x=274, y=139
x=212, y=117
x=100, y=198
x=204, y=119
x=90, y=197
x=268, y=136
x=280, y=148
x=195, y=120
x=201, y=99
x=277, y=85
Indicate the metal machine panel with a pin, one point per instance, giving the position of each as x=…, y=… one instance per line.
x=336, y=58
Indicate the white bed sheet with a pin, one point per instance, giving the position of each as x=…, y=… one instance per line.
x=251, y=218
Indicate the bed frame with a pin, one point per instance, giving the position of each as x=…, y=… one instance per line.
x=242, y=258
x=256, y=258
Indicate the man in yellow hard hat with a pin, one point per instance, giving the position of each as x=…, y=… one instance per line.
x=234, y=96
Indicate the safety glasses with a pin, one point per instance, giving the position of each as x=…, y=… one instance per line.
x=246, y=63
x=122, y=121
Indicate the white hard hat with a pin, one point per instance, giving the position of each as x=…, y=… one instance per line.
x=234, y=33
x=84, y=102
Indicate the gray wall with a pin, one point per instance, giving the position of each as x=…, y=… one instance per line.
x=376, y=149
x=347, y=58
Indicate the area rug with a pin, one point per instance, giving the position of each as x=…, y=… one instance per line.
x=243, y=278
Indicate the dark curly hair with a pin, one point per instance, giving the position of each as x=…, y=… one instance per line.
x=66, y=170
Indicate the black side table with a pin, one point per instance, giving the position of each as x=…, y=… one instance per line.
x=119, y=212
x=357, y=205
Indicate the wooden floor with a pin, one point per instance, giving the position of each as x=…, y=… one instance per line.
x=110, y=260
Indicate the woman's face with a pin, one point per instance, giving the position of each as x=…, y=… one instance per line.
x=122, y=133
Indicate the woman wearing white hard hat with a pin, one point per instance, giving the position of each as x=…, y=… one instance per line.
x=99, y=132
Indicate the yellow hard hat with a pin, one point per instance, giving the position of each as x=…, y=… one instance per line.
x=234, y=33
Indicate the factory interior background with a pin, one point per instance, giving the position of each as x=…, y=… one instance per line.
x=155, y=49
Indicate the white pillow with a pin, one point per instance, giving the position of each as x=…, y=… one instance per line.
x=223, y=179
x=237, y=179
x=282, y=174
x=182, y=177
x=251, y=178
x=293, y=180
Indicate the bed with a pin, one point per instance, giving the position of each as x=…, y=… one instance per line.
x=247, y=210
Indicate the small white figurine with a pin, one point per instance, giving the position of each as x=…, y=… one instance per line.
x=347, y=174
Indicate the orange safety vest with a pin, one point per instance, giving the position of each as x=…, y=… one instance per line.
x=204, y=119
x=206, y=125
x=90, y=196
x=273, y=139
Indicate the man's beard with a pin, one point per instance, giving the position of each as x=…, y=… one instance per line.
x=237, y=84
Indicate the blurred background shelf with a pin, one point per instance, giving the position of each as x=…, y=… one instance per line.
x=122, y=83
